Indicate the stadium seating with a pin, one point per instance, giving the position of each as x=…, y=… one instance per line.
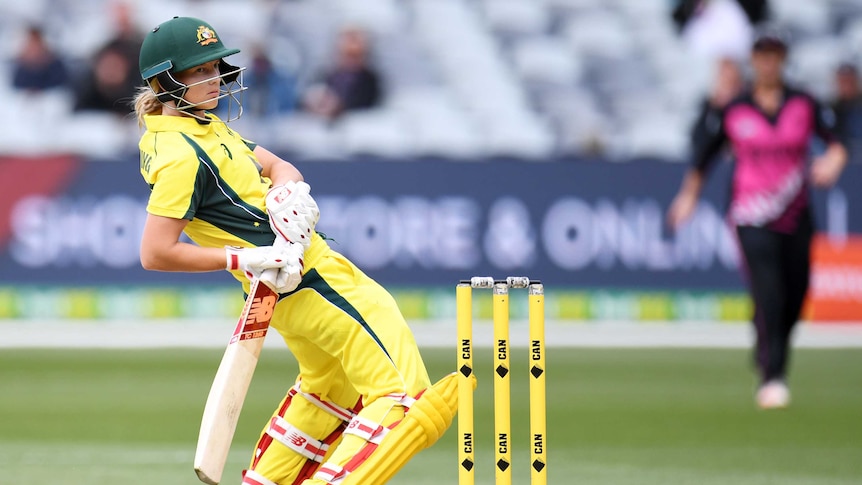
x=464, y=79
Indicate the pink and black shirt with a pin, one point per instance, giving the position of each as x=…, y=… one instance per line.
x=770, y=180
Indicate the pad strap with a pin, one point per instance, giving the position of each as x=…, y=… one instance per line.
x=295, y=439
x=402, y=399
x=254, y=478
x=331, y=474
x=374, y=432
x=366, y=429
x=331, y=408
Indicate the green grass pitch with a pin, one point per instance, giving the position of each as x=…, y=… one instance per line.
x=615, y=416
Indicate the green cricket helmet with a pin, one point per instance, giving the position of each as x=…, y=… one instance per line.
x=182, y=43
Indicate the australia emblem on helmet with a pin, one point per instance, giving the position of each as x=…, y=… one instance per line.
x=206, y=35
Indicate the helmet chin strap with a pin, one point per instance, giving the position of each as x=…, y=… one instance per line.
x=199, y=115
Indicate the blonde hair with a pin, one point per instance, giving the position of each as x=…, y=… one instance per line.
x=145, y=102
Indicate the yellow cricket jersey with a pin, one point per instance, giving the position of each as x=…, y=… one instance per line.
x=345, y=330
x=208, y=174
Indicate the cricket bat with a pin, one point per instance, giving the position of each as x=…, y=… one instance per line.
x=231, y=382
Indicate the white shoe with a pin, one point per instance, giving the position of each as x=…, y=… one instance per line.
x=773, y=395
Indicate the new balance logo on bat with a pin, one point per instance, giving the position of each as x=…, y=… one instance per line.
x=261, y=310
x=256, y=322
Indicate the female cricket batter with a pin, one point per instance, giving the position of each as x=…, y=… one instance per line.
x=769, y=128
x=363, y=404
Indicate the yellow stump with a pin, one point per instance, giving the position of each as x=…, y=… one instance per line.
x=538, y=425
x=466, y=459
x=502, y=395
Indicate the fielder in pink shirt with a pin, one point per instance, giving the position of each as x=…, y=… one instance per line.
x=769, y=128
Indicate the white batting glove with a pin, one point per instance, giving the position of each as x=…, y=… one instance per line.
x=285, y=259
x=293, y=213
x=290, y=275
x=254, y=261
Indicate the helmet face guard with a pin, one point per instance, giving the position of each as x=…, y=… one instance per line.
x=183, y=43
x=230, y=86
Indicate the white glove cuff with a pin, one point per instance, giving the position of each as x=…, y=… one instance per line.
x=231, y=258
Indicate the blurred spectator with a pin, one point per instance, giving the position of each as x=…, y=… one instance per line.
x=127, y=39
x=756, y=10
x=37, y=67
x=351, y=84
x=107, y=87
x=114, y=74
x=727, y=86
x=715, y=28
x=847, y=106
x=273, y=91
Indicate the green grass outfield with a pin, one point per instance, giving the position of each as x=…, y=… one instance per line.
x=634, y=416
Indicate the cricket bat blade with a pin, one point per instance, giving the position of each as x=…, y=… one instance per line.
x=230, y=385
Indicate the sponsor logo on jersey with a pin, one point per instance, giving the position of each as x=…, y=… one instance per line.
x=745, y=128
